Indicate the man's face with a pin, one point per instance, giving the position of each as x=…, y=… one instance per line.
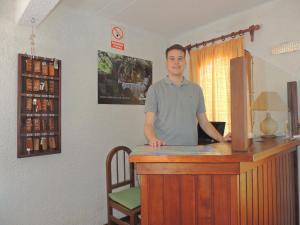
x=175, y=62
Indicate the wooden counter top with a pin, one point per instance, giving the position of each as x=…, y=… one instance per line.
x=220, y=152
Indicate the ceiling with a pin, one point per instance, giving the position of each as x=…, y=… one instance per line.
x=164, y=17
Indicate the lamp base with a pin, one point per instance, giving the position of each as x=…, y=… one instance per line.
x=268, y=127
x=268, y=136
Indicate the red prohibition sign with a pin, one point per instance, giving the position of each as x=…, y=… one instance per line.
x=117, y=33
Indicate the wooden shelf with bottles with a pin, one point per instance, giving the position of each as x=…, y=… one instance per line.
x=39, y=106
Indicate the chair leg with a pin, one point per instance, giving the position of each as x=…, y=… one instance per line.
x=133, y=219
x=109, y=213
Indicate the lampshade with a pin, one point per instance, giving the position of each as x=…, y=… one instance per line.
x=269, y=101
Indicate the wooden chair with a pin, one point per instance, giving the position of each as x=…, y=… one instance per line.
x=120, y=174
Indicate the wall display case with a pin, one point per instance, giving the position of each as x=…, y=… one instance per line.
x=39, y=106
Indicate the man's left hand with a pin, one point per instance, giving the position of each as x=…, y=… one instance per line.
x=227, y=137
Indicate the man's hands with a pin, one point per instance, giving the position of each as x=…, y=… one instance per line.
x=211, y=130
x=227, y=138
x=155, y=142
x=149, y=131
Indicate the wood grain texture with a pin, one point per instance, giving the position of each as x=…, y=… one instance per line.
x=188, y=199
x=204, y=200
x=249, y=198
x=255, y=195
x=270, y=191
x=221, y=199
x=284, y=190
x=292, y=190
x=190, y=168
x=278, y=190
x=239, y=93
x=260, y=195
x=295, y=171
x=257, y=151
x=264, y=193
x=155, y=200
x=172, y=197
x=234, y=200
x=144, y=199
x=293, y=105
x=243, y=199
x=294, y=165
x=274, y=191
x=288, y=189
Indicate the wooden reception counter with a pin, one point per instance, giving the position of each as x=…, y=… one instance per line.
x=211, y=185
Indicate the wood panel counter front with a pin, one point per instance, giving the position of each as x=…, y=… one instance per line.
x=212, y=185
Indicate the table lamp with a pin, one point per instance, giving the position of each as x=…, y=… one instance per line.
x=268, y=101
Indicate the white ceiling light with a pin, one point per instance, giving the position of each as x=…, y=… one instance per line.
x=286, y=47
x=37, y=9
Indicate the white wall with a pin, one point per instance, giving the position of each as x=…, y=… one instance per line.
x=67, y=188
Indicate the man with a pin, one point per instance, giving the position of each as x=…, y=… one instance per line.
x=173, y=104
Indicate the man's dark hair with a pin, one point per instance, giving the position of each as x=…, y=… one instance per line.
x=177, y=47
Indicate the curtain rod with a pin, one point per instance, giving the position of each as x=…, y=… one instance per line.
x=251, y=30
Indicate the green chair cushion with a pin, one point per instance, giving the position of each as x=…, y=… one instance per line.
x=130, y=198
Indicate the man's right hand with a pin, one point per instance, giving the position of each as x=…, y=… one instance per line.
x=149, y=131
x=155, y=142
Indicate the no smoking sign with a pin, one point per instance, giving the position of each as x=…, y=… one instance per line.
x=117, y=38
x=117, y=33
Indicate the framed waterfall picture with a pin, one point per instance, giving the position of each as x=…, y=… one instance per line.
x=123, y=79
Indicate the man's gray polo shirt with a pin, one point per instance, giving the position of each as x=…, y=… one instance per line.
x=175, y=109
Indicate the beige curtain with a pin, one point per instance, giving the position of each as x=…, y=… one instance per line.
x=210, y=68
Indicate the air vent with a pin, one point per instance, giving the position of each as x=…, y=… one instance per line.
x=286, y=47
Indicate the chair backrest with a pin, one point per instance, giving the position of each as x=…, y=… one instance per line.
x=119, y=172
